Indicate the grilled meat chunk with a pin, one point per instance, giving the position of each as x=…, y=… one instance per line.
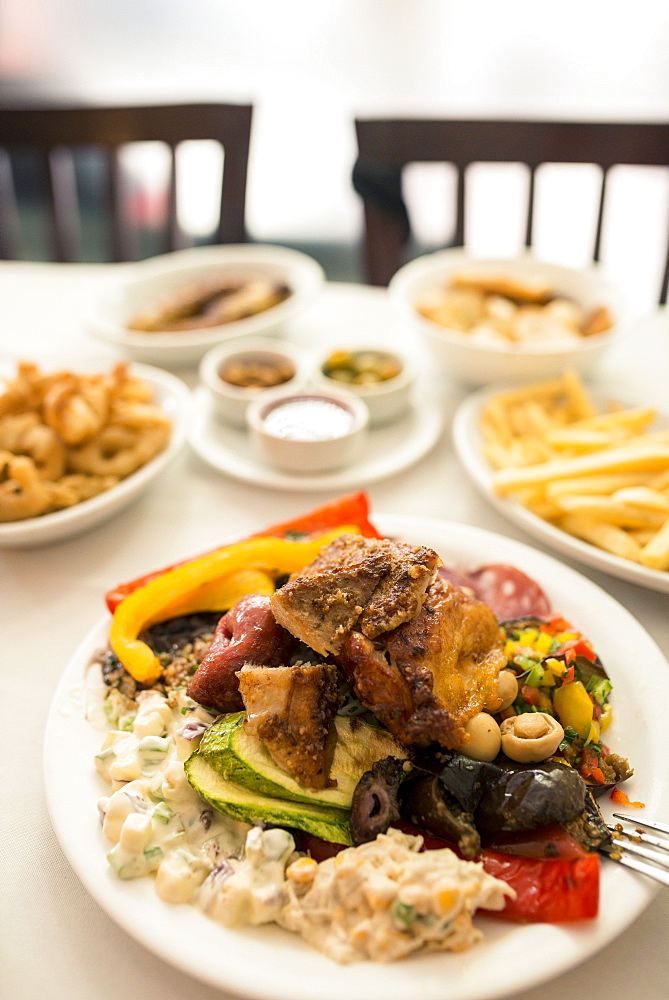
x=367, y=584
x=248, y=633
x=425, y=679
x=292, y=709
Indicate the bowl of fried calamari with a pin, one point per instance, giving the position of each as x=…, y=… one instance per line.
x=76, y=446
x=171, y=309
x=508, y=319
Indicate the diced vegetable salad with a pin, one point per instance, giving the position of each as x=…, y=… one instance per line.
x=558, y=672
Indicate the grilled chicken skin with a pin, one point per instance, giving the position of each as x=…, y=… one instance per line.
x=367, y=584
x=291, y=710
x=425, y=679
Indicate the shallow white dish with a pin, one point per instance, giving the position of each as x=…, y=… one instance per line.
x=468, y=444
x=388, y=450
x=174, y=397
x=478, y=362
x=149, y=280
x=269, y=964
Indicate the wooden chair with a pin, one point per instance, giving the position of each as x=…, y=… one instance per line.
x=386, y=146
x=55, y=133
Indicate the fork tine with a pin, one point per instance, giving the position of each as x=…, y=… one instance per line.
x=631, y=847
x=660, y=842
x=626, y=848
x=658, y=874
x=635, y=821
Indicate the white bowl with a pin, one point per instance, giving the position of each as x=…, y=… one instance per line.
x=231, y=401
x=478, y=362
x=386, y=400
x=174, y=397
x=148, y=281
x=300, y=430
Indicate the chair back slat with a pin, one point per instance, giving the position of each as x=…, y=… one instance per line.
x=596, y=250
x=9, y=219
x=459, y=235
x=529, y=217
x=63, y=203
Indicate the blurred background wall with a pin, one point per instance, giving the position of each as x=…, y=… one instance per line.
x=310, y=67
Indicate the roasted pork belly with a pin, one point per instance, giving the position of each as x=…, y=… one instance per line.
x=291, y=710
x=425, y=679
x=367, y=584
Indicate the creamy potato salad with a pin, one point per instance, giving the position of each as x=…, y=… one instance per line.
x=379, y=901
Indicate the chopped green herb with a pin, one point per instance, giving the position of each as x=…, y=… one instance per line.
x=402, y=913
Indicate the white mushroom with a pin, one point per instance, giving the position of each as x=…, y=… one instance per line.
x=484, y=738
x=531, y=737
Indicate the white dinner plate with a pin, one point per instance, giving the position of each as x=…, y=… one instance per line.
x=174, y=397
x=468, y=443
x=270, y=964
x=389, y=449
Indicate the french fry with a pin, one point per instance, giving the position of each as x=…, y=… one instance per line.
x=643, y=496
x=602, y=483
x=585, y=439
x=612, y=511
x=624, y=459
x=655, y=554
x=642, y=535
x=605, y=536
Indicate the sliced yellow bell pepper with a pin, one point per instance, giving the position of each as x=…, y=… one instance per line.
x=219, y=595
x=574, y=707
x=157, y=599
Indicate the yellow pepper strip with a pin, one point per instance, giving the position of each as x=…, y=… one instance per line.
x=574, y=708
x=151, y=603
x=219, y=595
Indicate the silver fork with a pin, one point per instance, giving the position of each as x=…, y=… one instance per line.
x=627, y=847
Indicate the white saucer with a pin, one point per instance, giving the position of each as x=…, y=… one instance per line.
x=390, y=449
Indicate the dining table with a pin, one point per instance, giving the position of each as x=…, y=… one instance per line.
x=56, y=940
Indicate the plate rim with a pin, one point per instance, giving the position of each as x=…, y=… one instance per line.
x=570, y=944
x=464, y=429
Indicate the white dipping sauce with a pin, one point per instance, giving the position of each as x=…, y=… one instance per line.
x=309, y=418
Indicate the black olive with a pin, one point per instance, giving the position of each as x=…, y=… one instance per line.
x=375, y=804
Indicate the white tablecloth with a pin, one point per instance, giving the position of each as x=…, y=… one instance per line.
x=55, y=940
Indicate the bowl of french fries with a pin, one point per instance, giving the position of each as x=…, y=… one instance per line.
x=584, y=472
x=508, y=320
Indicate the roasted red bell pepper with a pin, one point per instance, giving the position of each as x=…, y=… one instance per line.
x=550, y=891
x=622, y=799
x=351, y=509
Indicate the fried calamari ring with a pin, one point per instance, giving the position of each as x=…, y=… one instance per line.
x=22, y=492
x=83, y=487
x=24, y=434
x=77, y=407
x=26, y=391
x=118, y=451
